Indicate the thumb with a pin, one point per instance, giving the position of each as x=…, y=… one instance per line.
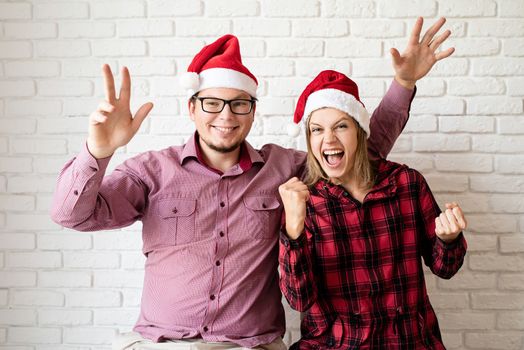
x=141, y=114
x=395, y=55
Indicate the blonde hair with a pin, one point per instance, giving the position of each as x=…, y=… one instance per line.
x=363, y=167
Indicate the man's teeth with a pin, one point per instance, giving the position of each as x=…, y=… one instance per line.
x=223, y=129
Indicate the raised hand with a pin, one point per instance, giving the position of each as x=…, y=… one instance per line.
x=421, y=54
x=450, y=223
x=294, y=194
x=112, y=124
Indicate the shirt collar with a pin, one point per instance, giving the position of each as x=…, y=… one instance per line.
x=248, y=155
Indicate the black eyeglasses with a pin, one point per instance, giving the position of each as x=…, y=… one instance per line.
x=239, y=106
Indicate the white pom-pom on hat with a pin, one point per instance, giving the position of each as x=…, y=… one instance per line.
x=293, y=129
x=190, y=81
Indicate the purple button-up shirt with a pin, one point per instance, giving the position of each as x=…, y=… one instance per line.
x=211, y=239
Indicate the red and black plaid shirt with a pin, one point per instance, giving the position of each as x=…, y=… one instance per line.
x=356, y=271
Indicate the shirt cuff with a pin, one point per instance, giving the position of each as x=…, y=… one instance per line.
x=289, y=243
x=87, y=162
x=400, y=95
x=451, y=245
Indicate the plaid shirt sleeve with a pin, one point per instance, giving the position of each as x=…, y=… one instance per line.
x=296, y=270
x=444, y=259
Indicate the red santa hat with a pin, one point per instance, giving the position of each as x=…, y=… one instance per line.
x=330, y=89
x=219, y=64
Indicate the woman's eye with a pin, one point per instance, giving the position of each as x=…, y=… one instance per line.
x=342, y=126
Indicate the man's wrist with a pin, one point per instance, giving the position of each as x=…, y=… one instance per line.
x=408, y=84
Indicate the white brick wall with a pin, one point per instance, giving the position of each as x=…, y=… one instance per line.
x=65, y=290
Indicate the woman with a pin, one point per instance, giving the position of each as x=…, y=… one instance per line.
x=355, y=232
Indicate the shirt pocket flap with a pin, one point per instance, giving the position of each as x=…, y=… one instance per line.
x=261, y=203
x=172, y=208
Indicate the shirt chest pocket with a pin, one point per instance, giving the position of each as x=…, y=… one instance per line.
x=262, y=216
x=177, y=221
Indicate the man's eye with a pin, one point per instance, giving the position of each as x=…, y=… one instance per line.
x=240, y=103
x=212, y=103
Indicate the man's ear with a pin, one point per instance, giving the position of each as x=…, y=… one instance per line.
x=191, y=108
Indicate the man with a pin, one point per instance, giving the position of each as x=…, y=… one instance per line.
x=210, y=209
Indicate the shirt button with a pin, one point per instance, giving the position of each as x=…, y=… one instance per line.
x=221, y=233
x=264, y=205
x=212, y=297
x=286, y=243
x=205, y=329
x=175, y=210
x=222, y=204
x=75, y=192
x=217, y=263
x=92, y=168
x=346, y=194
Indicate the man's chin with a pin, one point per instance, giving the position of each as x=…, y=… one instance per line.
x=224, y=149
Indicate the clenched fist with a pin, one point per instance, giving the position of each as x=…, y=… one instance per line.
x=450, y=223
x=294, y=194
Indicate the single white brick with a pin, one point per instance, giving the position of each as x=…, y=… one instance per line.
x=371, y=67
x=253, y=48
x=141, y=28
x=450, y=300
x=209, y=27
x=421, y=123
x=494, y=340
x=18, y=317
x=453, y=341
x=511, y=320
x=474, y=8
x=92, y=260
x=354, y=48
x=494, y=105
x=457, y=26
x=494, y=183
x=495, y=66
x=96, y=336
x=148, y=66
x=470, y=124
x=116, y=317
x=133, y=260
x=30, y=222
x=447, y=183
x=430, y=87
x=275, y=106
x=15, y=11
x=4, y=146
x=372, y=28
x=38, y=146
x=231, y=9
x=496, y=262
x=132, y=297
x=127, y=47
x=511, y=281
x=497, y=143
x=18, y=126
x=118, y=279
x=450, y=67
x=15, y=49
x=63, y=48
x=441, y=143
x=19, y=88
x=511, y=8
x=439, y=105
x=81, y=29
x=62, y=126
x=37, y=297
x=33, y=107
x=311, y=67
x=290, y=8
x=34, y=335
x=63, y=10
x=497, y=301
x=309, y=28
x=480, y=243
x=409, y=8
x=513, y=47
x=9, y=279
x=465, y=86
x=371, y=88
x=515, y=86
x=291, y=87
x=507, y=203
x=30, y=30
x=93, y=298
x=15, y=165
x=493, y=223
x=44, y=202
x=174, y=8
x=117, y=241
x=118, y=9
x=466, y=162
x=178, y=47
x=67, y=279
x=466, y=320
x=420, y=162
x=512, y=244
x=513, y=164
x=16, y=203
x=498, y=28
x=63, y=317
x=348, y=8
x=34, y=259
x=164, y=86
x=261, y=27
x=32, y=69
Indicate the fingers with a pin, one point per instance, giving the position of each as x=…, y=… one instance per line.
x=97, y=118
x=415, y=33
x=125, y=88
x=452, y=220
x=444, y=54
x=459, y=215
x=109, y=83
x=430, y=33
x=439, y=40
x=395, y=56
x=141, y=114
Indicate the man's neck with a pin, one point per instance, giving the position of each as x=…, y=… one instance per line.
x=219, y=160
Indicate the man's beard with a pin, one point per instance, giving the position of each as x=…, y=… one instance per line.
x=222, y=149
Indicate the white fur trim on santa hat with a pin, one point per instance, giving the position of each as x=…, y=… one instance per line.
x=293, y=129
x=222, y=78
x=340, y=100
